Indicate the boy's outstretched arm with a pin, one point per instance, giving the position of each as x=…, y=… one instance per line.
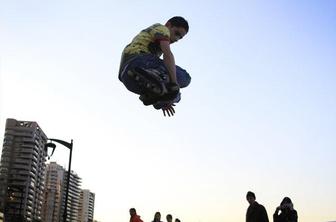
x=169, y=60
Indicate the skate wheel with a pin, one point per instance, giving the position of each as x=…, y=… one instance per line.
x=156, y=90
x=130, y=73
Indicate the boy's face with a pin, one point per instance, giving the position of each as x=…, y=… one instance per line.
x=169, y=218
x=176, y=33
x=132, y=213
x=250, y=199
x=157, y=216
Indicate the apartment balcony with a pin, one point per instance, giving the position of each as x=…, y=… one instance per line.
x=18, y=177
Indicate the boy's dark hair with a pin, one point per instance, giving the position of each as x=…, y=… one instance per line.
x=250, y=194
x=169, y=216
x=179, y=21
x=286, y=200
x=132, y=209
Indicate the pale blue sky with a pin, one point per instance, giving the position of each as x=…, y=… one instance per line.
x=259, y=114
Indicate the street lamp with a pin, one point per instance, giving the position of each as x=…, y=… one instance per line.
x=68, y=145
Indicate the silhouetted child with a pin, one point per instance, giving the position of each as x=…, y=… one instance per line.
x=134, y=216
x=287, y=212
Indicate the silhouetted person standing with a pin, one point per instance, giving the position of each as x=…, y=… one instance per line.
x=157, y=217
x=255, y=212
x=287, y=212
x=169, y=218
x=134, y=216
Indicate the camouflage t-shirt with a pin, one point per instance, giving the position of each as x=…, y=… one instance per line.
x=147, y=41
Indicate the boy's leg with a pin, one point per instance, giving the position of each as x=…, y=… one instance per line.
x=147, y=76
x=183, y=80
x=131, y=84
x=183, y=77
x=141, y=76
x=150, y=80
x=172, y=91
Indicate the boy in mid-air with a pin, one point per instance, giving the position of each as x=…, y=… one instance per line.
x=157, y=81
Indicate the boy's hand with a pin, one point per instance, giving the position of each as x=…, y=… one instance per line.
x=169, y=110
x=172, y=92
x=173, y=87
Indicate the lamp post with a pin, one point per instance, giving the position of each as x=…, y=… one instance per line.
x=69, y=146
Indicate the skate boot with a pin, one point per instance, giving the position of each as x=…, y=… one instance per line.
x=172, y=92
x=148, y=99
x=150, y=80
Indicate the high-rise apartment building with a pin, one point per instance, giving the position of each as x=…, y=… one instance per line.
x=86, y=208
x=22, y=171
x=54, y=186
x=54, y=202
x=73, y=196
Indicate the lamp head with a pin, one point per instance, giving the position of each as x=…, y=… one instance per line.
x=50, y=145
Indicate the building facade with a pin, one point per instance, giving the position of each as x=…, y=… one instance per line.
x=22, y=171
x=54, y=201
x=86, y=209
x=51, y=210
x=73, y=197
